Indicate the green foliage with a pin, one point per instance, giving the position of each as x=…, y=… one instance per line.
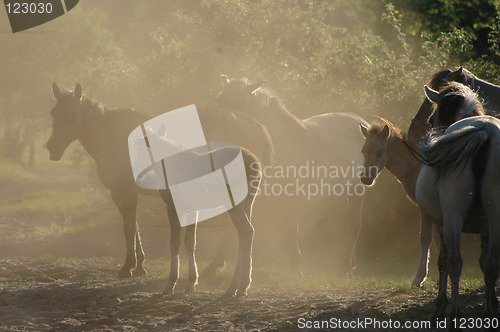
x=366, y=57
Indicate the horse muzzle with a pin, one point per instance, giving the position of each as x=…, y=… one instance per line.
x=55, y=157
x=367, y=181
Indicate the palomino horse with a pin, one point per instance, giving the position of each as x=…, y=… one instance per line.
x=490, y=94
x=240, y=214
x=458, y=190
x=104, y=133
x=326, y=140
x=386, y=147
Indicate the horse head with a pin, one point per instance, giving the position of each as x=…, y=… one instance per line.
x=374, y=150
x=454, y=101
x=66, y=120
x=236, y=93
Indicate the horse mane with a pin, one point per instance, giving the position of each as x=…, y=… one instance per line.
x=268, y=99
x=437, y=80
x=97, y=112
x=453, y=94
x=379, y=126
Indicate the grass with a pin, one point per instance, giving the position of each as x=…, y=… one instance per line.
x=55, y=208
x=67, y=202
x=10, y=171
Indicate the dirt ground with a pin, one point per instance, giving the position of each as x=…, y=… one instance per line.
x=56, y=274
x=83, y=295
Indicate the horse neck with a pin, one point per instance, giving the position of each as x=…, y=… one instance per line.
x=489, y=92
x=402, y=164
x=92, y=131
x=280, y=123
x=418, y=127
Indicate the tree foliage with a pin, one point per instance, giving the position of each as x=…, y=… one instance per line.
x=367, y=57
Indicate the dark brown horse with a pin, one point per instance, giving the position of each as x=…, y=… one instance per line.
x=104, y=133
x=489, y=93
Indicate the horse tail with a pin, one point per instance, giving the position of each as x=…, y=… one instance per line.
x=453, y=150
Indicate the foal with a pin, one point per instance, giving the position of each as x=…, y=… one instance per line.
x=240, y=214
x=385, y=147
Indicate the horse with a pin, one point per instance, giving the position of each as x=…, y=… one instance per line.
x=326, y=139
x=489, y=92
x=385, y=146
x=457, y=190
x=104, y=132
x=241, y=213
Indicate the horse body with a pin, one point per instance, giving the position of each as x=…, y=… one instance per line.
x=327, y=139
x=240, y=214
x=104, y=135
x=458, y=191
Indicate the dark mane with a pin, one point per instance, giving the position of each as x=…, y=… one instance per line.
x=97, y=112
x=453, y=95
x=268, y=99
x=437, y=80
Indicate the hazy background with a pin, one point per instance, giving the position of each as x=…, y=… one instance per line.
x=367, y=57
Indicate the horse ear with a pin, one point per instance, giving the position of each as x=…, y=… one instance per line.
x=162, y=131
x=224, y=80
x=254, y=87
x=78, y=92
x=455, y=75
x=364, y=129
x=56, y=92
x=432, y=95
x=385, y=131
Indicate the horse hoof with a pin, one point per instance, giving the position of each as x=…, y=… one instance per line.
x=437, y=315
x=229, y=293
x=138, y=272
x=211, y=271
x=241, y=293
x=168, y=291
x=190, y=289
x=124, y=273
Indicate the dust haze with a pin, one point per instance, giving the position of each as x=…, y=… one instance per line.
x=59, y=226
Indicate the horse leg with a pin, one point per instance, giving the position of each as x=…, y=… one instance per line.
x=127, y=205
x=484, y=252
x=441, y=300
x=175, y=242
x=219, y=261
x=491, y=268
x=435, y=236
x=452, y=229
x=243, y=273
x=355, y=206
x=292, y=247
x=190, y=242
x=139, y=269
x=426, y=227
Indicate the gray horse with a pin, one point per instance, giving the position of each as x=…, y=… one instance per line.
x=458, y=190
